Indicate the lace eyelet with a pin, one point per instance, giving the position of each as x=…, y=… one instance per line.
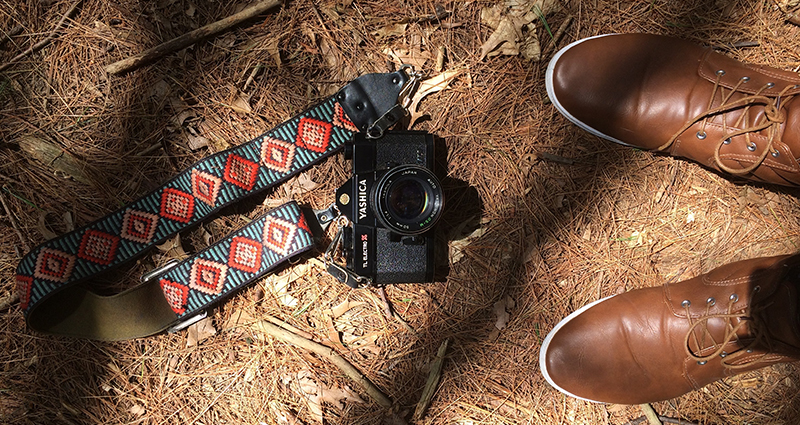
x=711, y=301
x=702, y=362
x=757, y=288
x=686, y=303
x=749, y=350
x=723, y=354
x=752, y=147
x=770, y=85
x=776, y=153
x=745, y=79
x=734, y=297
x=727, y=141
x=721, y=72
x=701, y=135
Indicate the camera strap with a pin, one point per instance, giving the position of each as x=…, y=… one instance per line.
x=53, y=279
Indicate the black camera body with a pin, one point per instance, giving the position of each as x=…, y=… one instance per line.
x=393, y=200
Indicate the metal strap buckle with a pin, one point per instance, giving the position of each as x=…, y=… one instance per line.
x=186, y=321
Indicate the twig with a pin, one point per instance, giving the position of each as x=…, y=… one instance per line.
x=432, y=382
x=557, y=36
x=53, y=34
x=651, y=415
x=13, y=32
x=214, y=28
x=328, y=353
x=663, y=419
x=13, y=221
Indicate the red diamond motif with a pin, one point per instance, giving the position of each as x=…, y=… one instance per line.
x=241, y=172
x=340, y=118
x=98, y=247
x=245, y=254
x=176, y=295
x=205, y=187
x=207, y=276
x=277, y=155
x=278, y=235
x=314, y=134
x=139, y=226
x=24, y=284
x=177, y=205
x=54, y=265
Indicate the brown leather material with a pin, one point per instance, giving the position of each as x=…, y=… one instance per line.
x=643, y=90
x=659, y=343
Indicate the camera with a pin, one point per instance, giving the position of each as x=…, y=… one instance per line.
x=393, y=200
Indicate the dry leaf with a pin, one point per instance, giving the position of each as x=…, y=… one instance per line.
x=241, y=102
x=391, y=30
x=173, y=249
x=502, y=310
x=429, y=86
x=280, y=283
x=457, y=246
x=196, y=142
x=414, y=57
x=200, y=331
x=344, y=307
x=41, y=226
x=514, y=27
x=138, y=410
x=504, y=40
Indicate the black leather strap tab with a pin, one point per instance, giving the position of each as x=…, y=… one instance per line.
x=369, y=97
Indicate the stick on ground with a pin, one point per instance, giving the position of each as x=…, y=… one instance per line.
x=53, y=34
x=334, y=357
x=171, y=46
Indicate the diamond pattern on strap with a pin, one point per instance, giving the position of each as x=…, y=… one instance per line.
x=54, y=265
x=340, y=118
x=176, y=295
x=245, y=254
x=139, y=226
x=241, y=172
x=24, y=284
x=314, y=135
x=177, y=205
x=98, y=247
x=278, y=235
x=205, y=187
x=207, y=276
x=277, y=155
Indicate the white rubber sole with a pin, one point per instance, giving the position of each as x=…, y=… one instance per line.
x=552, y=95
x=546, y=345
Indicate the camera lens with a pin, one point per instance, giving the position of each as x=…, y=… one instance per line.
x=408, y=199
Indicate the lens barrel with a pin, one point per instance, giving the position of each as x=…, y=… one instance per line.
x=408, y=199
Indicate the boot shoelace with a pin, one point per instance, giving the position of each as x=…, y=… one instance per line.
x=758, y=338
x=773, y=118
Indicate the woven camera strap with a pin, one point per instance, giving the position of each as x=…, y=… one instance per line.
x=53, y=278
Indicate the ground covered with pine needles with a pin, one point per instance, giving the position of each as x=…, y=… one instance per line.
x=565, y=218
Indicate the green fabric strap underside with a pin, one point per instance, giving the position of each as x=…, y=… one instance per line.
x=78, y=312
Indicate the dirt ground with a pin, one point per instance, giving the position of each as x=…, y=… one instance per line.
x=564, y=219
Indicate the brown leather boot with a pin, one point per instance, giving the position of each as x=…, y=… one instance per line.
x=658, y=343
x=665, y=94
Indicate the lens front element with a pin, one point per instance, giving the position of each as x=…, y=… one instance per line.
x=408, y=199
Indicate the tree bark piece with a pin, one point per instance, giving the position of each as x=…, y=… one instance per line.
x=432, y=383
x=171, y=46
